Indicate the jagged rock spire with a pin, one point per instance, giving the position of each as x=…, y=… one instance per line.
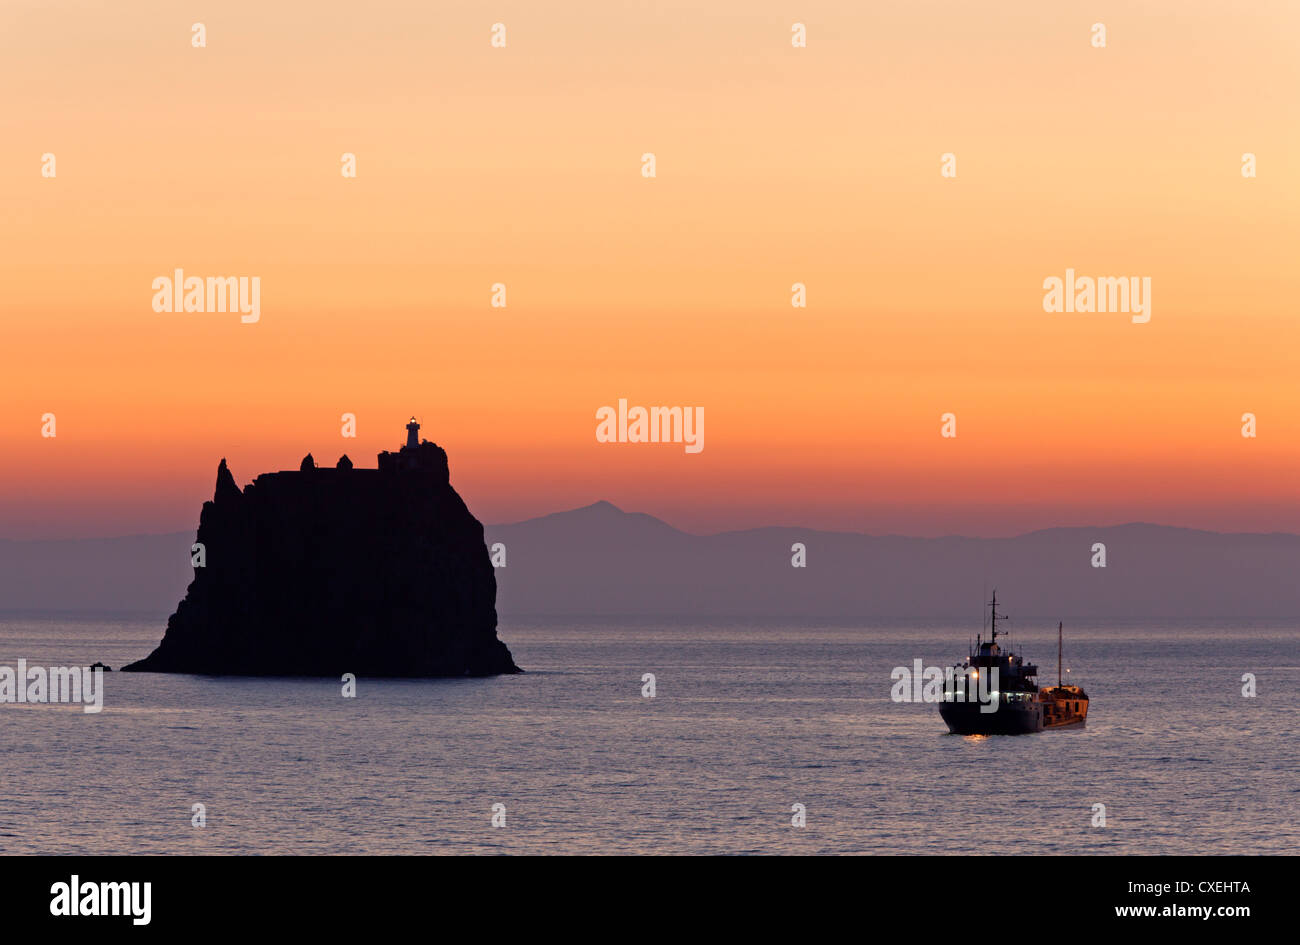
x=226, y=487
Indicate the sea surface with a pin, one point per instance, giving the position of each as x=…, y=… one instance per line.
x=748, y=720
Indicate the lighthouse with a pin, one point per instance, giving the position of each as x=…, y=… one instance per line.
x=415, y=456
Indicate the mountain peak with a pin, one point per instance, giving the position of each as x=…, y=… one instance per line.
x=603, y=516
x=601, y=506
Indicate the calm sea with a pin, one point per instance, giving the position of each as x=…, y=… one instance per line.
x=748, y=720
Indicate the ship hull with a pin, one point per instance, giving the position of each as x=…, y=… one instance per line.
x=1064, y=706
x=965, y=718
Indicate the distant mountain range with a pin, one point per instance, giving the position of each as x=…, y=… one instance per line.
x=602, y=561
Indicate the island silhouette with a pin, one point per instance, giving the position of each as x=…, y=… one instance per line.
x=325, y=571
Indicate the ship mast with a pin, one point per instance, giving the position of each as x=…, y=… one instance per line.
x=994, y=616
x=1058, y=653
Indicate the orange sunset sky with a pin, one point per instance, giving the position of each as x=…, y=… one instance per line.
x=775, y=165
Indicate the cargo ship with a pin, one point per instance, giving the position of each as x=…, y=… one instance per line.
x=995, y=692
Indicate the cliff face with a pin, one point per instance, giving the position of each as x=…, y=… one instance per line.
x=377, y=572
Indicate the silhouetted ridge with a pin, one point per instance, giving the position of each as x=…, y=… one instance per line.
x=324, y=571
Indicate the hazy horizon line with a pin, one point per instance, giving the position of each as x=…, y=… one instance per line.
x=732, y=531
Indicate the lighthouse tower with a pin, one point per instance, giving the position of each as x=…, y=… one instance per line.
x=416, y=456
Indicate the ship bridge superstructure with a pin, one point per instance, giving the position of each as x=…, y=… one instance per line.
x=1014, y=674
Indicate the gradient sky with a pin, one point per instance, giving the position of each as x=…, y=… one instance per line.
x=775, y=165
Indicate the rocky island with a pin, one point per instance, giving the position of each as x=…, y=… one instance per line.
x=320, y=572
